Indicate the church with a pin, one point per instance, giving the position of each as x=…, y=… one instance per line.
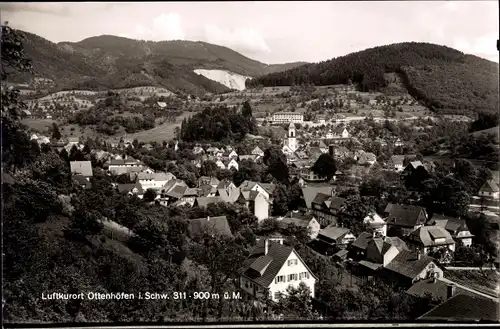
x=290, y=144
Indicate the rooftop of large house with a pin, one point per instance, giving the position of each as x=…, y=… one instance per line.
x=205, y=201
x=404, y=215
x=129, y=187
x=309, y=193
x=409, y=264
x=490, y=186
x=83, y=168
x=436, y=288
x=262, y=268
x=334, y=232
x=218, y=225
x=463, y=307
x=362, y=240
x=331, y=202
x=450, y=224
x=429, y=236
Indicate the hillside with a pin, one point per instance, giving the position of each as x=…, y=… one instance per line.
x=441, y=78
x=228, y=79
x=110, y=62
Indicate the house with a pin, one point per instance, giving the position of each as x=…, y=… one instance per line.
x=357, y=249
x=210, y=225
x=123, y=166
x=306, y=221
x=309, y=193
x=404, y=219
x=408, y=267
x=43, y=140
x=429, y=239
x=326, y=208
x=154, y=180
x=131, y=189
x=376, y=222
x=205, y=201
x=286, y=117
x=266, y=189
x=161, y=105
x=198, y=150
x=228, y=191
x=320, y=119
x=464, y=308
x=220, y=164
x=212, y=150
x=437, y=289
x=336, y=237
x=250, y=157
x=83, y=168
x=456, y=227
x=257, y=151
x=82, y=181
x=180, y=195
x=412, y=166
x=367, y=158
x=308, y=175
x=322, y=146
x=396, y=162
x=489, y=190
x=232, y=164
x=230, y=154
x=341, y=152
x=271, y=268
x=256, y=202
x=205, y=180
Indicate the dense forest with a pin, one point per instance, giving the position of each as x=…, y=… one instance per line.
x=442, y=78
x=217, y=124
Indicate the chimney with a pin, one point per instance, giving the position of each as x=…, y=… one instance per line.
x=450, y=291
x=418, y=254
x=266, y=246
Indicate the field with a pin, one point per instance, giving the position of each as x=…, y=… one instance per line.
x=39, y=125
x=163, y=132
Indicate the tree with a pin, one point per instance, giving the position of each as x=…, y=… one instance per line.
x=149, y=195
x=354, y=211
x=325, y=166
x=209, y=168
x=296, y=304
x=247, y=109
x=56, y=134
x=276, y=164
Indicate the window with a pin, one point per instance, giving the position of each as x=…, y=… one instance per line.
x=292, y=277
x=277, y=295
x=280, y=278
x=303, y=275
x=292, y=262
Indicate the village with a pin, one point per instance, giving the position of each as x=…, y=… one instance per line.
x=405, y=246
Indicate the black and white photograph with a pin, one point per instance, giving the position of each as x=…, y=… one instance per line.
x=249, y=163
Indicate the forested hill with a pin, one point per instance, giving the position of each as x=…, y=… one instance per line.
x=442, y=78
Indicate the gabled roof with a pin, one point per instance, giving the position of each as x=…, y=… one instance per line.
x=249, y=195
x=205, y=201
x=160, y=176
x=407, y=264
x=177, y=192
x=396, y=242
x=223, y=184
x=81, y=180
x=310, y=193
x=362, y=240
x=129, y=187
x=463, y=307
x=428, y=234
x=437, y=289
x=490, y=186
x=333, y=232
x=252, y=157
x=397, y=159
x=404, y=215
x=83, y=168
x=173, y=183
x=218, y=224
x=277, y=252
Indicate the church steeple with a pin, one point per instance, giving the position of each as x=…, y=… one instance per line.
x=292, y=137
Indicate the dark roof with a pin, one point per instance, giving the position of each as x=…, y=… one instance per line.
x=404, y=215
x=334, y=232
x=362, y=241
x=129, y=187
x=464, y=307
x=250, y=195
x=396, y=242
x=177, y=192
x=219, y=224
x=407, y=264
x=7, y=178
x=438, y=289
x=277, y=252
x=205, y=201
x=310, y=193
x=320, y=198
x=81, y=180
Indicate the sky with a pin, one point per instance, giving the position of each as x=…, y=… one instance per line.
x=271, y=32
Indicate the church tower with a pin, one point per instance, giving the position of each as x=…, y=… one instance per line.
x=292, y=137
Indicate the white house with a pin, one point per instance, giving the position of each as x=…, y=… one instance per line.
x=232, y=164
x=376, y=222
x=154, y=180
x=302, y=220
x=265, y=189
x=220, y=164
x=489, y=189
x=396, y=163
x=284, y=117
x=271, y=268
x=258, y=151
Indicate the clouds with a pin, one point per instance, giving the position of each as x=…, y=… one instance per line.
x=56, y=8
x=167, y=26
x=245, y=40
